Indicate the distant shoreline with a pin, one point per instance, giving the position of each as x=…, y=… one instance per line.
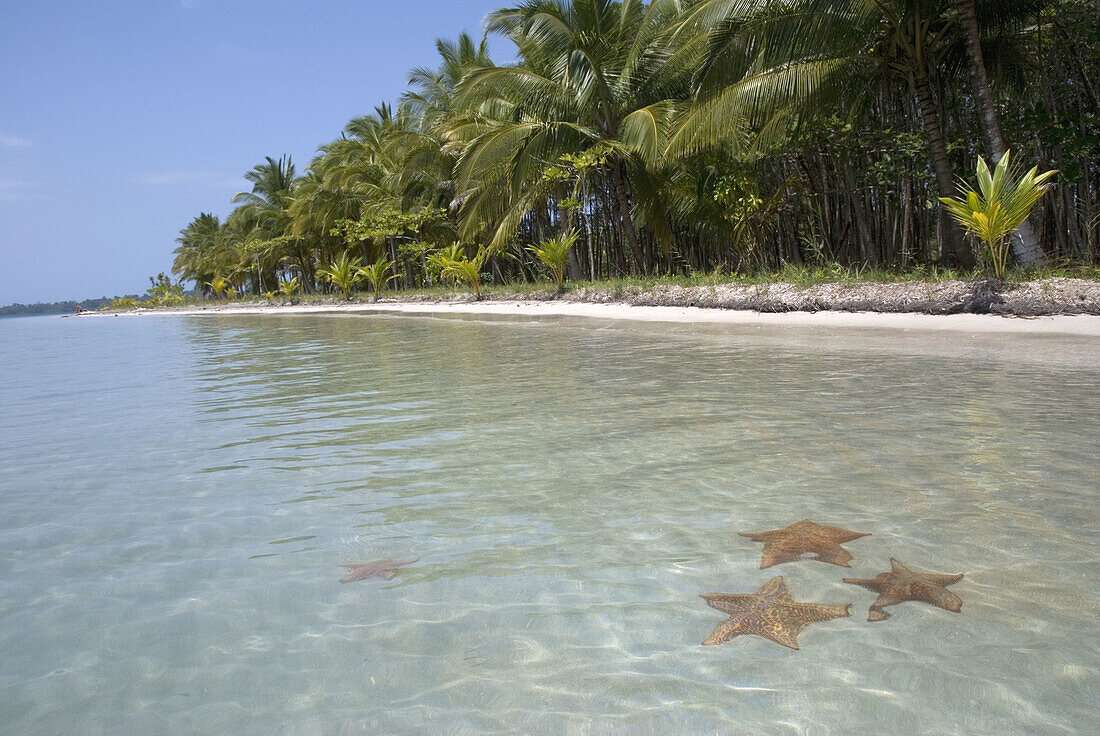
x=1060, y=306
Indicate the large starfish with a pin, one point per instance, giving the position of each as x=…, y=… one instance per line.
x=378, y=569
x=769, y=612
x=802, y=537
x=902, y=584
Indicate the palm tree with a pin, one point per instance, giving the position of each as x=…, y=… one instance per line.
x=554, y=253
x=436, y=263
x=271, y=184
x=220, y=286
x=432, y=103
x=198, y=241
x=210, y=250
x=594, y=73
x=676, y=134
x=345, y=272
x=466, y=270
x=1000, y=205
x=1025, y=246
x=317, y=205
x=288, y=287
x=379, y=165
x=781, y=59
x=263, y=221
x=377, y=274
x=365, y=161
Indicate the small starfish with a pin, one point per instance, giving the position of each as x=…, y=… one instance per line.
x=769, y=612
x=902, y=584
x=789, y=544
x=377, y=569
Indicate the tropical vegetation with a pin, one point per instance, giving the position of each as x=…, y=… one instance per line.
x=676, y=137
x=1001, y=204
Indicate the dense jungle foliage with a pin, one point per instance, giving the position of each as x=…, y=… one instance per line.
x=684, y=136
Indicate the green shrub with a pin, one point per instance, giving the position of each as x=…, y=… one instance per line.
x=123, y=303
x=555, y=254
x=345, y=273
x=377, y=274
x=1001, y=205
x=288, y=287
x=163, y=291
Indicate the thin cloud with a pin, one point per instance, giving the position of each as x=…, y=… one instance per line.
x=15, y=190
x=14, y=141
x=189, y=4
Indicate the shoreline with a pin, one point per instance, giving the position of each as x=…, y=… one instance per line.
x=1083, y=325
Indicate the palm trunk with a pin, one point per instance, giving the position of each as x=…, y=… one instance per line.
x=393, y=256
x=565, y=217
x=630, y=233
x=305, y=265
x=573, y=268
x=573, y=265
x=907, y=223
x=1025, y=245
x=588, y=227
x=954, y=248
x=863, y=227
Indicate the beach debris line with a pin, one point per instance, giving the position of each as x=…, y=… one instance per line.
x=770, y=613
x=805, y=537
x=385, y=569
x=902, y=584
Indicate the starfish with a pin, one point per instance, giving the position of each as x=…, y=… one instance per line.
x=769, y=612
x=377, y=569
x=789, y=544
x=902, y=584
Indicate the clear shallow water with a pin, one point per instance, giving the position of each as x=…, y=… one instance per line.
x=177, y=494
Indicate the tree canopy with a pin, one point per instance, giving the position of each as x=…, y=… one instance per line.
x=688, y=135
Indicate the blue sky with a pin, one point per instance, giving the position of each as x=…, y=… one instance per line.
x=121, y=121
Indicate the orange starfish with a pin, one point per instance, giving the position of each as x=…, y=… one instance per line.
x=902, y=584
x=769, y=612
x=803, y=537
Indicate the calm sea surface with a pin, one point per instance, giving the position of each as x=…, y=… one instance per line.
x=177, y=495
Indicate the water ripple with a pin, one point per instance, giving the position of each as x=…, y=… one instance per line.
x=173, y=524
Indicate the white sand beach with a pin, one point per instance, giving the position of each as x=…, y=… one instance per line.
x=1080, y=325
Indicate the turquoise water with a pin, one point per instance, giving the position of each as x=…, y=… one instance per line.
x=178, y=493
